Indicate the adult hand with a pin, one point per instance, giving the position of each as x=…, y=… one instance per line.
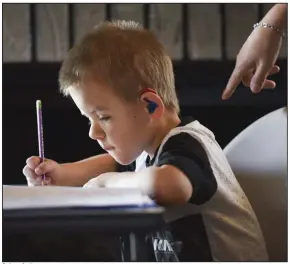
x=255, y=62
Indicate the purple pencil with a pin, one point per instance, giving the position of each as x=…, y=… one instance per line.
x=40, y=133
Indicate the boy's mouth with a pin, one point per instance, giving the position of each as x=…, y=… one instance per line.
x=104, y=147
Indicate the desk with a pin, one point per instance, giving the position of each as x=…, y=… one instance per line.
x=129, y=223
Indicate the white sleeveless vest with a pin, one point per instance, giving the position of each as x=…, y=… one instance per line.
x=232, y=228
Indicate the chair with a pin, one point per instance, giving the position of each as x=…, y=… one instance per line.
x=258, y=157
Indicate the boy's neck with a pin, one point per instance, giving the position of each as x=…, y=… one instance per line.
x=169, y=121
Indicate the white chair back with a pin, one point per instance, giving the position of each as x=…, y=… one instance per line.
x=258, y=157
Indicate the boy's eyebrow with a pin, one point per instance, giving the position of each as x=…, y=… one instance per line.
x=99, y=108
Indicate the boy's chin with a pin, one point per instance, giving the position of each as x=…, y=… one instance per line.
x=124, y=160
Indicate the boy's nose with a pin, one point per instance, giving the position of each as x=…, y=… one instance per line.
x=96, y=132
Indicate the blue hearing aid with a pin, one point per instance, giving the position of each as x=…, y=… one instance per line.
x=151, y=106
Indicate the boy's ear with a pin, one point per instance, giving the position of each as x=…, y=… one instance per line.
x=153, y=104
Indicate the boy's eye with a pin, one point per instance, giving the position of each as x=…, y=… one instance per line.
x=104, y=118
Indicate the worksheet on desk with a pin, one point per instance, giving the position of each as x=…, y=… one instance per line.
x=24, y=197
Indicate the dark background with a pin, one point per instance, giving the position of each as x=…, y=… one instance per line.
x=199, y=86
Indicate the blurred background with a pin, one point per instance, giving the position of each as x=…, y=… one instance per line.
x=203, y=40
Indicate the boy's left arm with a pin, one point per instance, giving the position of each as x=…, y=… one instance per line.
x=165, y=184
x=182, y=173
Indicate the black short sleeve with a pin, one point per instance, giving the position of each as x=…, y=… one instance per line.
x=186, y=153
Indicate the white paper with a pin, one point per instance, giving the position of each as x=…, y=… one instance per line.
x=24, y=197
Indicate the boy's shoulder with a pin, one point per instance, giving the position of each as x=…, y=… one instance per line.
x=191, y=126
x=181, y=141
x=189, y=134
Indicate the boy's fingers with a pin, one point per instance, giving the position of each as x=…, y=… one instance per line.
x=45, y=167
x=46, y=181
x=32, y=162
x=34, y=182
x=32, y=178
x=29, y=173
x=233, y=82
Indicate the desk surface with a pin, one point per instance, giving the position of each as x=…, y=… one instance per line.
x=113, y=220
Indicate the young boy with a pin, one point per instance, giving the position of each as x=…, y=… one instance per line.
x=121, y=79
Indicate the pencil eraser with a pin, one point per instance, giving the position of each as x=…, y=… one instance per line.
x=38, y=103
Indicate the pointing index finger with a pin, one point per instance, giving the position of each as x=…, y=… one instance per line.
x=233, y=83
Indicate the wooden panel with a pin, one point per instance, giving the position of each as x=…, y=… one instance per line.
x=52, y=31
x=240, y=19
x=165, y=21
x=16, y=33
x=204, y=31
x=284, y=48
x=128, y=12
x=86, y=17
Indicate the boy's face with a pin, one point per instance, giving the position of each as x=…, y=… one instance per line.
x=121, y=128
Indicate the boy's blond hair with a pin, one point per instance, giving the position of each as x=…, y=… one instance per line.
x=125, y=56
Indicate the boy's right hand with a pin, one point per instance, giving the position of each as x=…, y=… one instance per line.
x=34, y=170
